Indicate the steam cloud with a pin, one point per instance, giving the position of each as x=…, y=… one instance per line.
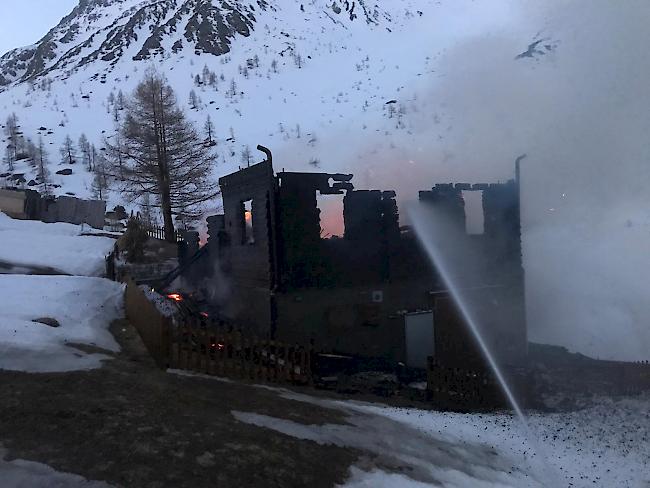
x=581, y=114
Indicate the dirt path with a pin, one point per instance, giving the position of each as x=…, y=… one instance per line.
x=133, y=425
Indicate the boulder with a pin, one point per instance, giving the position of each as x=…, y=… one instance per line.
x=64, y=172
x=49, y=321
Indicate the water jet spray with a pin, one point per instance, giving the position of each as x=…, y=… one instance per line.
x=420, y=218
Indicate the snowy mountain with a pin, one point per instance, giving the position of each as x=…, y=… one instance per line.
x=112, y=30
x=289, y=75
x=106, y=30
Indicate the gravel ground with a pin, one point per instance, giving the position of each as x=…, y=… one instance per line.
x=133, y=425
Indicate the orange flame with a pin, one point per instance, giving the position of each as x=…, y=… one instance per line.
x=175, y=296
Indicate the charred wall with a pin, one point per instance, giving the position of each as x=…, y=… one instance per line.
x=367, y=253
x=349, y=294
x=449, y=199
x=366, y=320
x=299, y=237
x=249, y=264
x=495, y=287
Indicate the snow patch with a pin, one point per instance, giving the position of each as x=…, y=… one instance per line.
x=378, y=478
x=181, y=372
x=28, y=474
x=605, y=445
x=83, y=306
x=58, y=246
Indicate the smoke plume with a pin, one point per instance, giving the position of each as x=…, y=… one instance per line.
x=576, y=103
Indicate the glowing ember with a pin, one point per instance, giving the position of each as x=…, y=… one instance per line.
x=175, y=296
x=248, y=215
x=204, y=314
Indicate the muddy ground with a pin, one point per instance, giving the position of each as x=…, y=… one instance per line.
x=133, y=425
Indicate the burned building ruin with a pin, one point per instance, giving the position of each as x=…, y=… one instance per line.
x=371, y=292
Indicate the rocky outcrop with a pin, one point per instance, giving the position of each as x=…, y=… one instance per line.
x=108, y=31
x=89, y=33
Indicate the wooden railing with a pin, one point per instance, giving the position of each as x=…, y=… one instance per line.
x=197, y=347
x=159, y=233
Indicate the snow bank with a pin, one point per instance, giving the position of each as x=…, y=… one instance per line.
x=427, y=460
x=190, y=374
x=378, y=478
x=605, y=445
x=84, y=308
x=24, y=474
x=58, y=246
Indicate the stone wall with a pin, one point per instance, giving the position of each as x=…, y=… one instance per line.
x=75, y=211
x=28, y=204
x=12, y=203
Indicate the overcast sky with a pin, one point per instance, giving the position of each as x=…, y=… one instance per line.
x=23, y=22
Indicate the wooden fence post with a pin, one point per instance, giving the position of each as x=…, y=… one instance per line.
x=174, y=350
x=254, y=360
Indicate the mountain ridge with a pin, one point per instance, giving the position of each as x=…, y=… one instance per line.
x=207, y=26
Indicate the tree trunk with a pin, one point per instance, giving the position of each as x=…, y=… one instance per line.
x=166, y=208
x=161, y=150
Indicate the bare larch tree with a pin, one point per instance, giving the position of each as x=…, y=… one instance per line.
x=43, y=172
x=209, y=130
x=12, y=130
x=68, y=151
x=86, y=154
x=99, y=184
x=161, y=153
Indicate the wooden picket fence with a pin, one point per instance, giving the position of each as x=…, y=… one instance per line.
x=197, y=347
x=159, y=233
x=152, y=326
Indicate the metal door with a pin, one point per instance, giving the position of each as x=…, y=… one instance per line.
x=418, y=330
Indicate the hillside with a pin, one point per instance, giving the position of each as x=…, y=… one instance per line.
x=295, y=77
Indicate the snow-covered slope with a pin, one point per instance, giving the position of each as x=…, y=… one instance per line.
x=310, y=80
